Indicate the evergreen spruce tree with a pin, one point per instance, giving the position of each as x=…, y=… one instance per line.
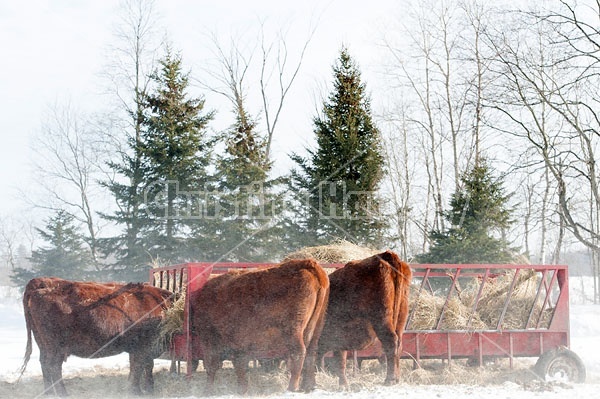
x=127, y=248
x=247, y=202
x=176, y=152
x=130, y=257
x=65, y=255
x=479, y=216
x=338, y=181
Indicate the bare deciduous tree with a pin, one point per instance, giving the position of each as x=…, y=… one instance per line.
x=443, y=71
x=277, y=70
x=66, y=169
x=277, y=66
x=400, y=179
x=550, y=83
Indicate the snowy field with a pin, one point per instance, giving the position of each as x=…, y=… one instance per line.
x=107, y=378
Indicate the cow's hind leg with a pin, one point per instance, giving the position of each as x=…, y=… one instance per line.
x=389, y=342
x=240, y=365
x=297, y=353
x=340, y=359
x=46, y=372
x=309, y=371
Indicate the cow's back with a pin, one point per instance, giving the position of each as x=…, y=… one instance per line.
x=88, y=319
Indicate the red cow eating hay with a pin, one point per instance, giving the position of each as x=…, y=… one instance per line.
x=93, y=320
x=368, y=300
x=244, y=314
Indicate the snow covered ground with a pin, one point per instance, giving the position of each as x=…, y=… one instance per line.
x=101, y=378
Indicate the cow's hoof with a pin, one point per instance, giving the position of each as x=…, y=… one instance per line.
x=308, y=388
x=136, y=391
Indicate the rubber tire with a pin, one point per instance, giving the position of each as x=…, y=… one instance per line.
x=561, y=361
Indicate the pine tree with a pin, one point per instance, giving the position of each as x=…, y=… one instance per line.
x=65, y=255
x=478, y=216
x=339, y=180
x=175, y=152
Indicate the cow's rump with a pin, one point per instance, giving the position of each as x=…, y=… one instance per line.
x=275, y=311
x=368, y=300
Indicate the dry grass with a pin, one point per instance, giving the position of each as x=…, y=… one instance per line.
x=173, y=319
x=340, y=251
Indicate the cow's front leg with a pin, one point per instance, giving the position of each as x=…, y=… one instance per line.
x=136, y=368
x=212, y=362
x=148, y=377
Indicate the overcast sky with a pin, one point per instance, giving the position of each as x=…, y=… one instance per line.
x=54, y=51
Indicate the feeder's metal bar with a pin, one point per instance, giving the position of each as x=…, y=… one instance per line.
x=546, y=300
x=450, y=291
x=478, y=297
x=511, y=350
x=480, y=343
x=508, y=297
x=449, y=345
x=537, y=297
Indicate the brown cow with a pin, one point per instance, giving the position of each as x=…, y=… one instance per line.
x=93, y=320
x=244, y=314
x=368, y=300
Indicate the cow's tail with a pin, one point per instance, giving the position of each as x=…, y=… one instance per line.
x=401, y=277
x=29, y=345
x=402, y=295
x=317, y=319
x=314, y=329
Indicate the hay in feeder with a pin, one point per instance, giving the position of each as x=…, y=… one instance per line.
x=493, y=309
x=340, y=251
x=427, y=309
x=173, y=318
x=495, y=295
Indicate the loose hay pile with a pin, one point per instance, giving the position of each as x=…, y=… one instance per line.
x=427, y=308
x=340, y=251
